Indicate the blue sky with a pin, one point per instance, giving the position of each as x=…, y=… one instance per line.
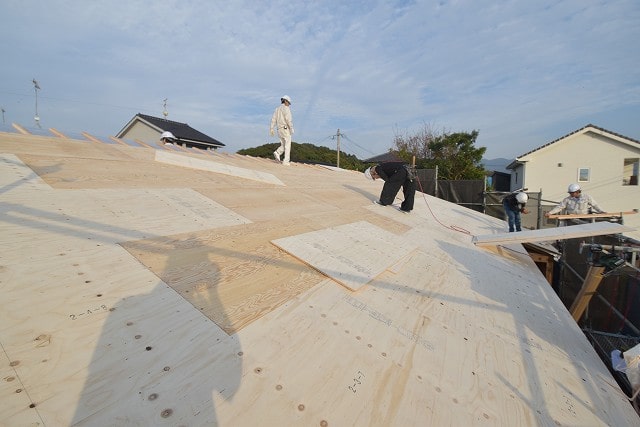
x=522, y=73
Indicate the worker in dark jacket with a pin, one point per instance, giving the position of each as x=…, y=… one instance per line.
x=394, y=175
x=514, y=204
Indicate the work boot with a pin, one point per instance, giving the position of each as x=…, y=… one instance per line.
x=276, y=156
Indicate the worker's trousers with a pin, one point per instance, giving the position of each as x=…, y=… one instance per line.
x=285, y=145
x=392, y=186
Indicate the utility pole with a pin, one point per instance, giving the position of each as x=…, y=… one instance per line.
x=3, y=111
x=165, y=113
x=338, y=150
x=36, y=87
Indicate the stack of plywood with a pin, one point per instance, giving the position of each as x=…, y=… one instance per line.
x=182, y=289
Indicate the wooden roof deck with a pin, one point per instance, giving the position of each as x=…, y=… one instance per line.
x=139, y=291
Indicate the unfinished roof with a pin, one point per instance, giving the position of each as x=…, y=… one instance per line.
x=203, y=288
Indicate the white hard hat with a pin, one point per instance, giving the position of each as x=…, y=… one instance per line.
x=522, y=197
x=367, y=173
x=573, y=187
x=167, y=135
x=286, y=98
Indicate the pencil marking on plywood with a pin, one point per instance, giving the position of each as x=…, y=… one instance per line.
x=351, y=254
x=88, y=311
x=358, y=377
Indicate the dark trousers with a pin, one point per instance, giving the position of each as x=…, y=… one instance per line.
x=392, y=186
x=513, y=217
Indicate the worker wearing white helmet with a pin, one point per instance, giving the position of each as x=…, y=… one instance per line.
x=167, y=138
x=514, y=204
x=283, y=122
x=395, y=175
x=576, y=203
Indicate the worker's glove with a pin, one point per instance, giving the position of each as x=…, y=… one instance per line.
x=272, y=132
x=291, y=131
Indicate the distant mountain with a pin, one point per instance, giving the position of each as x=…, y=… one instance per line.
x=497, y=165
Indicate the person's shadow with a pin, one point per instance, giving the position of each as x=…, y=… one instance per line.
x=156, y=358
x=159, y=360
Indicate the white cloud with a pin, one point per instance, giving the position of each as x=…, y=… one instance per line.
x=517, y=71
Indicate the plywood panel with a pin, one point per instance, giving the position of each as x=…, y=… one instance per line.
x=18, y=176
x=351, y=254
x=547, y=234
x=229, y=281
x=247, y=333
x=202, y=164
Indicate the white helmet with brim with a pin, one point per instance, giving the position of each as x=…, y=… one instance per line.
x=573, y=188
x=167, y=135
x=367, y=173
x=522, y=197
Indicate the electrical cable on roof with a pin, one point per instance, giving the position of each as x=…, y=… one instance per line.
x=451, y=227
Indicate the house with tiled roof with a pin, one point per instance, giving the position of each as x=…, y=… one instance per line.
x=604, y=163
x=148, y=129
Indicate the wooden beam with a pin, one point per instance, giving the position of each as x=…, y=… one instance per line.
x=91, y=137
x=588, y=216
x=546, y=261
x=556, y=233
x=57, y=133
x=20, y=129
x=589, y=288
x=118, y=140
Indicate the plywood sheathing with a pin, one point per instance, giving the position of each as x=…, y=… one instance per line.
x=216, y=167
x=551, y=234
x=93, y=334
x=351, y=254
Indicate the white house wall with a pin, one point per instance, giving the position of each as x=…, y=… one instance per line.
x=551, y=169
x=142, y=131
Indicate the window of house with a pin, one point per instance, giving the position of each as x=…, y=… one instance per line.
x=583, y=174
x=630, y=171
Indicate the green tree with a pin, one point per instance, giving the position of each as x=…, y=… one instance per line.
x=308, y=153
x=454, y=154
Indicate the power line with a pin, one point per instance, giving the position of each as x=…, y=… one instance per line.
x=360, y=147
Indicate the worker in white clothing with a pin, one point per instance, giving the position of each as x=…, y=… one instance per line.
x=282, y=121
x=576, y=203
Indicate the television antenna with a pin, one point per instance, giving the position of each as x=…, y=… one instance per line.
x=36, y=87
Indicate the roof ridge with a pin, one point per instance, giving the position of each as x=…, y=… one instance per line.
x=590, y=125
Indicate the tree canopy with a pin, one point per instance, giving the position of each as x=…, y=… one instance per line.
x=454, y=154
x=308, y=153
